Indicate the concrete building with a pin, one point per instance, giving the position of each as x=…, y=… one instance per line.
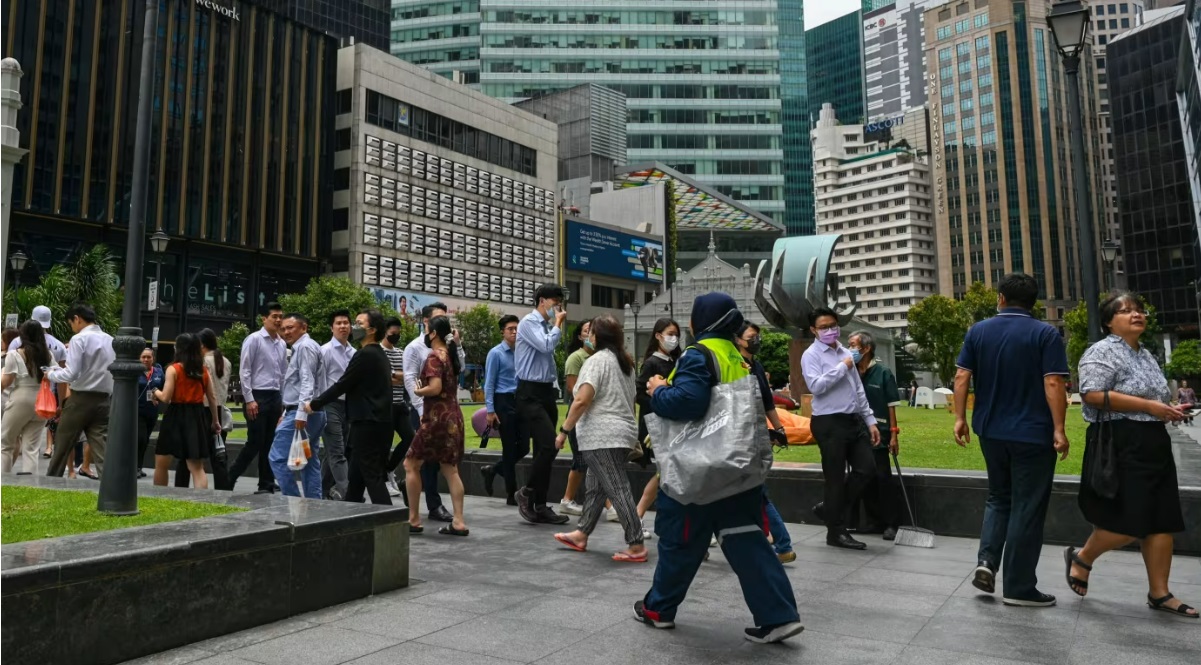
x=241, y=143
x=704, y=81
x=879, y=199
x=1188, y=101
x=834, y=53
x=894, y=45
x=1155, y=207
x=441, y=192
x=1004, y=195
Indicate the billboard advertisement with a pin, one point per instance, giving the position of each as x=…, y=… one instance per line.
x=607, y=252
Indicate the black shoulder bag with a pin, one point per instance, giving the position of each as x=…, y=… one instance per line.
x=1101, y=457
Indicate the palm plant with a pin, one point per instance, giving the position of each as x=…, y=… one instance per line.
x=91, y=278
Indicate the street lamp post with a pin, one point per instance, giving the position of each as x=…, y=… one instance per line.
x=119, y=483
x=1109, y=252
x=634, y=308
x=1069, y=25
x=18, y=261
x=158, y=243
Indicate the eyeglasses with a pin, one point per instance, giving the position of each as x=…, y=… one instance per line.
x=1128, y=311
x=829, y=327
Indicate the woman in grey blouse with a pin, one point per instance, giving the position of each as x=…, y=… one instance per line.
x=1147, y=504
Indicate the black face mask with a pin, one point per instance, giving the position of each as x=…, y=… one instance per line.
x=753, y=345
x=394, y=339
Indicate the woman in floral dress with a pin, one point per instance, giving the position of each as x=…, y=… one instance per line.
x=440, y=437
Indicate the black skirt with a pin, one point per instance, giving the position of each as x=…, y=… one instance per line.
x=1148, y=497
x=186, y=432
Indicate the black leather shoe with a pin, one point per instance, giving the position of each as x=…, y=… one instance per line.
x=845, y=541
x=441, y=514
x=984, y=578
x=548, y=516
x=489, y=474
x=890, y=533
x=819, y=509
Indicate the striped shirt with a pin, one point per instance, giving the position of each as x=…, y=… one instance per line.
x=396, y=360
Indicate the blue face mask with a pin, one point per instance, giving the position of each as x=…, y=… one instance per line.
x=856, y=356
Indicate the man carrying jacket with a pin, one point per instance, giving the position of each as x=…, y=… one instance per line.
x=684, y=530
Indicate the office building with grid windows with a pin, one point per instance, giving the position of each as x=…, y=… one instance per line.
x=834, y=51
x=440, y=193
x=240, y=150
x=1155, y=207
x=879, y=198
x=894, y=46
x=1004, y=192
x=703, y=79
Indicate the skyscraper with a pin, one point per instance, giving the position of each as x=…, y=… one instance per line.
x=1004, y=191
x=894, y=44
x=834, y=52
x=1154, y=197
x=704, y=81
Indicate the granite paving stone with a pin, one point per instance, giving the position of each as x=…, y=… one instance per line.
x=508, y=594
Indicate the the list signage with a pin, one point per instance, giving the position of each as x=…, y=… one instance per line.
x=230, y=11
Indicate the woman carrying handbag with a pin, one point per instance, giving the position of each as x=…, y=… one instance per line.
x=1128, y=484
x=23, y=423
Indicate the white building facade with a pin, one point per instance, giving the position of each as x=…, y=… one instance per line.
x=879, y=199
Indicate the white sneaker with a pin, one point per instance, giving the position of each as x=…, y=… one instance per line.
x=713, y=542
x=570, y=508
x=393, y=490
x=647, y=534
x=611, y=515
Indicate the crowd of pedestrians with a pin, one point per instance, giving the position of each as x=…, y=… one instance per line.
x=353, y=397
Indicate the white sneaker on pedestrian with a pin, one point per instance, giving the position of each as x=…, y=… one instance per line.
x=570, y=508
x=393, y=489
x=611, y=515
x=647, y=534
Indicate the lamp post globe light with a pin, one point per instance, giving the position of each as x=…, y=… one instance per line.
x=1109, y=252
x=18, y=261
x=1069, y=25
x=634, y=306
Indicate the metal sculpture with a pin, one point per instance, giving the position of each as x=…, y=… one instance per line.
x=798, y=281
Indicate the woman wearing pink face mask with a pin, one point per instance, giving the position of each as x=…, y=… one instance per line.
x=843, y=424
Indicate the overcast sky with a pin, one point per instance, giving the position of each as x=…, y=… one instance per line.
x=818, y=12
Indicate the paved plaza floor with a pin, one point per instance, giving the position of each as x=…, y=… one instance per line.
x=510, y=594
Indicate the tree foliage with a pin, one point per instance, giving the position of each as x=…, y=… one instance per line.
x=325, y=295
x=774, y=354
x=478, y=331
x=1186, y=360
x=91, y=278
x=937, y=325
x=979, y=302
x=230, y=343
x=1075, y=323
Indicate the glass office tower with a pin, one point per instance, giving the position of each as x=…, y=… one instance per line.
x=835, y=54
x=703, y=78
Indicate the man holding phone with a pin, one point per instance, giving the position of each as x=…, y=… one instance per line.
x=538, y=336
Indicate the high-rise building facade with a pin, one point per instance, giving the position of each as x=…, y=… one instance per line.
x=703, y=79
x=241, y=143
x=794, y=111
x=1155, y=207
x=1110, y=19
x=834, y=52
x=1004, y=194
x=1188, y=101
x=894, y=46
x=879, y=199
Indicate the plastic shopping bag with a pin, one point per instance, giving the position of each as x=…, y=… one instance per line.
x=45, y=407
x=298, y=454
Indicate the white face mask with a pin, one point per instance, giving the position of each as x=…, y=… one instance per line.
x=670, y=343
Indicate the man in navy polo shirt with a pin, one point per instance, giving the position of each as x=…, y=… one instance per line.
x=1019, y=365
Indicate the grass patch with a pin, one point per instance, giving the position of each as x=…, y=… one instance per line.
x=927, y=441
x=32, y=513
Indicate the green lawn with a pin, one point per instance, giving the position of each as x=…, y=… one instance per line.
x=926, y=441
x=32, y=513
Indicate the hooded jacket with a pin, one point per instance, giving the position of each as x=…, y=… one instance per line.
x=714, y=316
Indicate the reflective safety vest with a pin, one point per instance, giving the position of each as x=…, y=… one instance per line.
x=729, y=362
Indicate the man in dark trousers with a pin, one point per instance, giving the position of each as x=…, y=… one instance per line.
x=264, y=360
x=1019, y=366
x=880, y=498
x=89, y=354
x=500, y=400
x=538, y=335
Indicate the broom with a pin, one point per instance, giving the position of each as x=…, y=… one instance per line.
x=911, y=536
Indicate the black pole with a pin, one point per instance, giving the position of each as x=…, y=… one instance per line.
x=1084, y=214
x=158, y=290
x=119, y=484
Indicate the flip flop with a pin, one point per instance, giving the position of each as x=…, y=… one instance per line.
x=450, y=530
x=416, y=529
x=626, y=557
x=1070, y=557
x=566, y=542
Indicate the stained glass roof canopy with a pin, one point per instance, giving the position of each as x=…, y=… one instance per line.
x=698, y=207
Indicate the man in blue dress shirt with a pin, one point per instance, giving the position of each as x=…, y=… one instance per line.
x=538, y=336
x=302, y=382
x=500, y=398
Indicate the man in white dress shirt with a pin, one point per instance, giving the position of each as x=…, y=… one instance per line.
x=88, y=359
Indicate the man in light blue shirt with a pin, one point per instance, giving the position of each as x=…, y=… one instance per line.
x=335, y=356
x=843, y=425
x=500, y=399
x=303, y=381
x=538, y=336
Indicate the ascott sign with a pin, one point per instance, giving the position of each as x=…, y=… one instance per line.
x=228, y=12
x=595, y=249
